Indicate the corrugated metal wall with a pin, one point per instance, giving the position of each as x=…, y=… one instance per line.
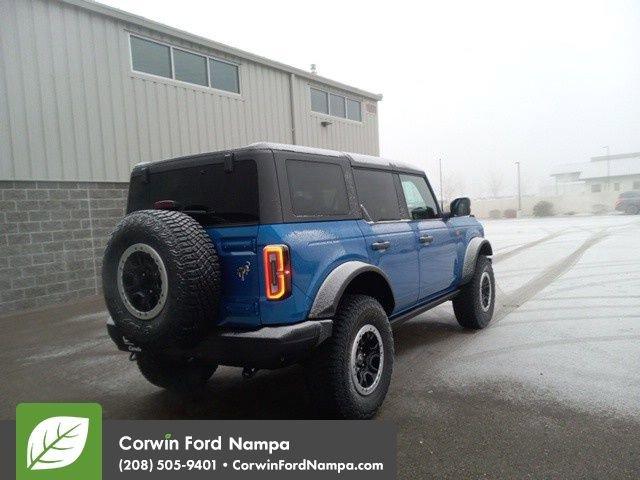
x=72, y=109
x=342, y=134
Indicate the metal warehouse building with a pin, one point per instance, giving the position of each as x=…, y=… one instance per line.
x=88, y=91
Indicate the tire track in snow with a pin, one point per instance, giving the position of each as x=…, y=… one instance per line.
x=512, y=301
x=499, y=257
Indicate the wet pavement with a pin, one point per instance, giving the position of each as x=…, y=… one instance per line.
x=550, y=390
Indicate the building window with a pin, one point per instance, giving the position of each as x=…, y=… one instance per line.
x=354, y=111
x=636, y=185
x=319, y=101
x=616, y=187
x=596, y=187
x=335, y=105
x=190, y=67
x=150, y=57
x=166, y=61
x=224, y=76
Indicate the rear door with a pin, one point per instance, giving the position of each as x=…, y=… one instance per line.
x=222, y=195
x=390, y=240
x=436, y=242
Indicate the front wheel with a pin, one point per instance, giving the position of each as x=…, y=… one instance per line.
x=349, y=374
x=473, y=306
x=180, y=376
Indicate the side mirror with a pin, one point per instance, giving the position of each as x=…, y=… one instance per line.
x=422, y=213
x=461, y=207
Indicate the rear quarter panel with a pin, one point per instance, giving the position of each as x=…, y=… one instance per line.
x=316, y=248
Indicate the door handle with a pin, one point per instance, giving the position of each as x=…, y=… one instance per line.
x=426, y=239
x=380, y=245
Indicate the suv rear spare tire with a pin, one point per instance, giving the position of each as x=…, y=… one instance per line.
x=161, y=278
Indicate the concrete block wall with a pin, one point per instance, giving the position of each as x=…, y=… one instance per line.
x=52, y=237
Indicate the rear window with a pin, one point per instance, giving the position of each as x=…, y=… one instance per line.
x=317, y=189
x=377, y=194
x=206, y=192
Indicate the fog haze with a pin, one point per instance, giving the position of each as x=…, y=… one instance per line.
x=479, y=84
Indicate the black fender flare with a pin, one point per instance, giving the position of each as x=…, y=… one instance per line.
x=328, y=297
x=475, y=246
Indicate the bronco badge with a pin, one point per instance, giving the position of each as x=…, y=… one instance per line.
x=243, y=270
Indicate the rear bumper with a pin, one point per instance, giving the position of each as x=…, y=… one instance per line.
x=267, y=347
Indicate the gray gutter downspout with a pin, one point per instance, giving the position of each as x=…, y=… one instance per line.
x=292, y=80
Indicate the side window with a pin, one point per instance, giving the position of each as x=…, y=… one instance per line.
x=317, y=188
x=419, y=198
x=377, y=194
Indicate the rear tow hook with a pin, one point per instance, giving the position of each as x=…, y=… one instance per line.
x=248, y=372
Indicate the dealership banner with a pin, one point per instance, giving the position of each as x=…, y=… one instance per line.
x=71, y=441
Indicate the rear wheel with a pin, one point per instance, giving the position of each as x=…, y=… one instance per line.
x=474, y=304
x=180, y=376
x=349, y=375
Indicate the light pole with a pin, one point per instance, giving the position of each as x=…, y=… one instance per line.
x=519, y=193
x=441, y=190
x=606, y=147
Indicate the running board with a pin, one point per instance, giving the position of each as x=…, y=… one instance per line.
x=397, y=321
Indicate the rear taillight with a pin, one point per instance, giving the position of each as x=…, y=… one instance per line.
x=166, y=205
x=277, y=272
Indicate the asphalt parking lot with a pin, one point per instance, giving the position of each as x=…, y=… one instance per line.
x=550, y=390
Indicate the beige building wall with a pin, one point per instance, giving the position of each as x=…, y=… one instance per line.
x=72, y=108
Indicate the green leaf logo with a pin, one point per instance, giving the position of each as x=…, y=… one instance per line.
x=56, y=442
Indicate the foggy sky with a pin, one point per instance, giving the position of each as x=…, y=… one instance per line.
x=480, y=84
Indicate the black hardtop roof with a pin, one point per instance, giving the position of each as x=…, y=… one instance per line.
x=356, y=159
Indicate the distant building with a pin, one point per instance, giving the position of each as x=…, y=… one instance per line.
x=606, y=173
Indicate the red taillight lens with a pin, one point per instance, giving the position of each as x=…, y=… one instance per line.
x=277, y=272
x=166, y=205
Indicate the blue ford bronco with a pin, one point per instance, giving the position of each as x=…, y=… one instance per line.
x=269, y=255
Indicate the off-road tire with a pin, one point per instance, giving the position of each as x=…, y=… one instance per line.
x=192, y=272
x=329, y=379
x=468, y=306
x=174, y=375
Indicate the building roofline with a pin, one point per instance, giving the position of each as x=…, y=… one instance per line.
x=618, y=156
x=190, y=37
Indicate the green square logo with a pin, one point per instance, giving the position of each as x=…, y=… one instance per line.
x=58, y=441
